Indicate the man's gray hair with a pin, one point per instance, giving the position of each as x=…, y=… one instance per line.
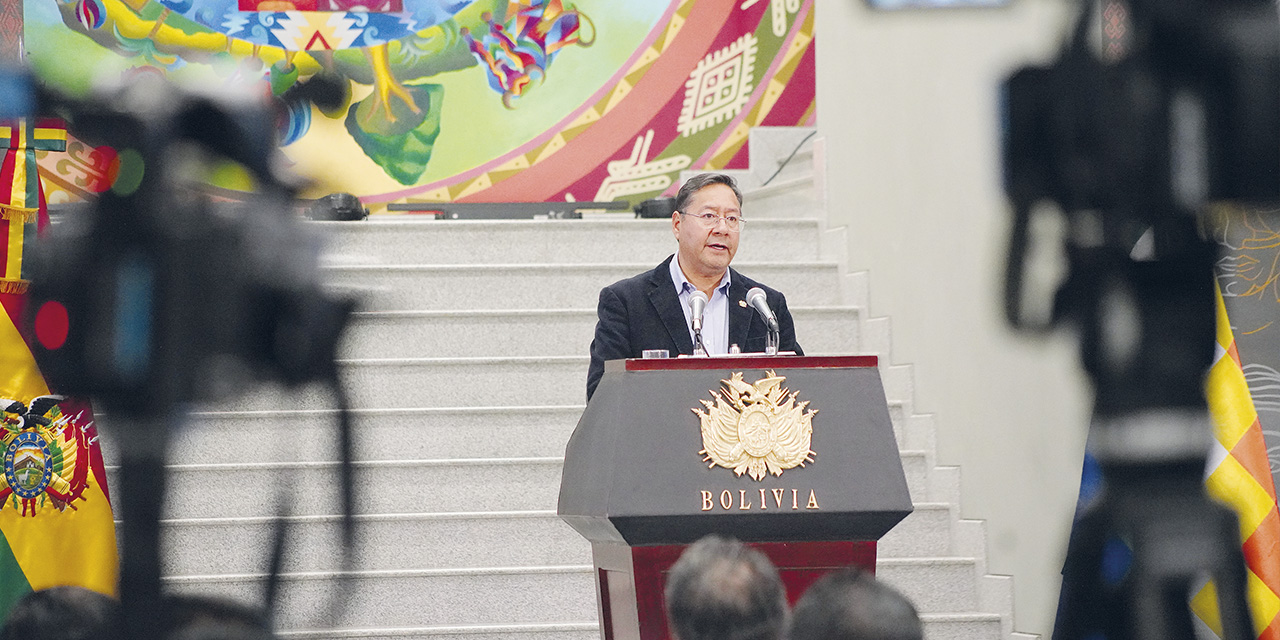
x=696, y=183
x=850, y=604
x=721, y=589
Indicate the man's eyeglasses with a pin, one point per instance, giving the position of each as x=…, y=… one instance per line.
x=710, y=220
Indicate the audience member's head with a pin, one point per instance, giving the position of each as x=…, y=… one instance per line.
x=61, y=613
x=191, y=617
x=721, y=589
x=852, y=605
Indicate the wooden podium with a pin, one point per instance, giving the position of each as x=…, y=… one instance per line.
x=641, y=480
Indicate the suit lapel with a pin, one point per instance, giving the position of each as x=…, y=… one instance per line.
x=739, y=312
x=662, y=294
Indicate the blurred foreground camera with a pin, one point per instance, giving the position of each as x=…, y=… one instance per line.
x=1129, y=145
x=1188, y=113
x=1136, y=143
x=164, y=296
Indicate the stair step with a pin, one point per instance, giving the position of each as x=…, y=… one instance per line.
x=390, y=334
x=794, y=197
x=385, y=541
x=412, y=383
x=394, y=240
x=924, y=533
x=399, y=486
x=961, y=626
x=934, y=585
x=447, y=597
x=771, y=147
x=381, y=434
x=915, y=465
x=543, y=286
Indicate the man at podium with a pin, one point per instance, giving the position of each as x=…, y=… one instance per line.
x=652, y=311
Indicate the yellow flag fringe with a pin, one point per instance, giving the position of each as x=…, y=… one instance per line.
x=25, y=214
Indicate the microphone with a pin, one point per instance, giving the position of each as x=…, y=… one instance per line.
x=697, y=304
x=756, y=298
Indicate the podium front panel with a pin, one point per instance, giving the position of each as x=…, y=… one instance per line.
x=639, y=469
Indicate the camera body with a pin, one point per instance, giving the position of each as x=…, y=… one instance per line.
x=1136, y=142
x=1187, y=114
x=163, y=296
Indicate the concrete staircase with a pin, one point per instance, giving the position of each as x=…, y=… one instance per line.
x=467, y=371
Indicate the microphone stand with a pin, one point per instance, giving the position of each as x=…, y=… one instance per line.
x=756, y=298
x=699, y=349
x=772, y=338
x=697, y=306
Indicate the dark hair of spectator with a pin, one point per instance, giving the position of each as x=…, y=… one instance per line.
x=852, y=605
x=208, y=618
x=62, y=613
x=721, y=589
x=696, y=183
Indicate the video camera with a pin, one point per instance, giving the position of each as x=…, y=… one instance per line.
x=162, y=297
x=1131, y=141
x=1137, y=140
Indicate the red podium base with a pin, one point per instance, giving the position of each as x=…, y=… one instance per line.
x=630, y=580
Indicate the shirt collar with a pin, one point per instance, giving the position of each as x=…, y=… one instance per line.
x=682, y=283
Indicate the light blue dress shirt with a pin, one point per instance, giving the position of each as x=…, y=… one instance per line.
x=715, y=318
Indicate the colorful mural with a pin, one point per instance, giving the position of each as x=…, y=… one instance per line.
x=459, y=100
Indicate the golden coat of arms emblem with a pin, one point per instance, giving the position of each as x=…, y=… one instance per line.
x=756, y=429
x=44, y=455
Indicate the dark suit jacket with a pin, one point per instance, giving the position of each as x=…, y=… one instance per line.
x=644, y=312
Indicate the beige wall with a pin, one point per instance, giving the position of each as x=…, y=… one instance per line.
x=907, y=104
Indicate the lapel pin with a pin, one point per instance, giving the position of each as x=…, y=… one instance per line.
x=742, y=303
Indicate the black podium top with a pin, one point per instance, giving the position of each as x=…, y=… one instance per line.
x=644, y=468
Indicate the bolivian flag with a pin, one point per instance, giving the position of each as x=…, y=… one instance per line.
x=55, y=516
x=1240, y=475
